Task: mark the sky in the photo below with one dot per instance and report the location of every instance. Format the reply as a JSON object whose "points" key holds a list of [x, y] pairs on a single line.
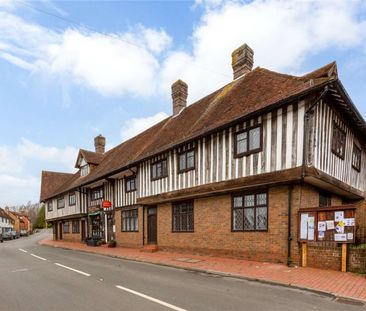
{"points": [[71, 70]]}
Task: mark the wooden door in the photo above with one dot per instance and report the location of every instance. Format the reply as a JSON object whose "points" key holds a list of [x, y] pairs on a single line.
{"points": [[152, 228], [83, 230], [60, 231]]}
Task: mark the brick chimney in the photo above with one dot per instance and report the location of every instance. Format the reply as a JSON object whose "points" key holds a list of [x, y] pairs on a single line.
{"points": [[179, 96], [99, 144], [242, 61]]}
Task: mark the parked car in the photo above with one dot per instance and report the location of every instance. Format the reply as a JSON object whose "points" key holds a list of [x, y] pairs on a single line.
{"points": [[14, 234], [7, 236], [23, 233], [1, 238]]}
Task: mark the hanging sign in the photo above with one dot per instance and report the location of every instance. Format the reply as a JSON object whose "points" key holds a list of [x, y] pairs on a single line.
{"points": [[107, 204]]}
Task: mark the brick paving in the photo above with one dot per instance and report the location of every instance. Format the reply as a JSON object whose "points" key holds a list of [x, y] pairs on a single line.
{"points": [[340, 284]]}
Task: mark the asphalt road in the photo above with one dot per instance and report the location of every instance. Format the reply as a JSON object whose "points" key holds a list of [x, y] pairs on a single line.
{"points": [[34, 277]]}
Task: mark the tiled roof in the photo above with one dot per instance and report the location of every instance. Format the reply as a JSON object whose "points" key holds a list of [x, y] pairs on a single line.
{"points": [[258, 90], [90, 157], [51, 182]]}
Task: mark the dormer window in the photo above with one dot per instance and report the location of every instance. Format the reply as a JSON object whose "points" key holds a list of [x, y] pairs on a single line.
{"points": [[84, 170]]}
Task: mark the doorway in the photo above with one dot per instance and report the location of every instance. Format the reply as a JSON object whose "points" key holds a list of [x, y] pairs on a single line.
{"points": [[152, 232], [60, 230], [83, 230]]}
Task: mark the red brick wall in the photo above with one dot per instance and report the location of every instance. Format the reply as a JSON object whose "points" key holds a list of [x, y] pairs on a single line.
{"points": [[212, 218], [128, 239]]}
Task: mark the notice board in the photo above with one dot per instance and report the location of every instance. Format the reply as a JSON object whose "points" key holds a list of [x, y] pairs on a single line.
{"points": [[329, 224]]}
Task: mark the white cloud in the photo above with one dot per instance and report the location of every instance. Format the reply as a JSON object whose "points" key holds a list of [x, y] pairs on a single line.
{"points": [[282, 34], [137, 125], [111, 64], [143, 62], [21, 167]]}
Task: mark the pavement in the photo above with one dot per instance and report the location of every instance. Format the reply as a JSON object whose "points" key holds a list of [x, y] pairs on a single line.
{"points": [[38, 277], [336, 284]]}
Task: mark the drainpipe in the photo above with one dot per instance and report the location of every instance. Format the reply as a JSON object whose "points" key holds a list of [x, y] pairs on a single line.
{"points": [[289, 236], [143, 225]]}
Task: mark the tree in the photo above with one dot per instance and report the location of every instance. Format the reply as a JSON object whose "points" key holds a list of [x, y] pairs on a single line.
{"points": [[40, 220]]}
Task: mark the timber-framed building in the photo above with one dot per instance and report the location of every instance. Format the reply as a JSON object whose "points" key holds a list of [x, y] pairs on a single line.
{"points": [[227, 174]]}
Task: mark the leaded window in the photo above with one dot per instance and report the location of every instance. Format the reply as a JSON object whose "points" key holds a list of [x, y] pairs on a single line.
{"points": [[186, 161], [356, 158], [72, 199], [130, 184], [183, 217], [130, 220], [75, 226], [84, 170], [49, 206], [159, 169], [248, 141], [325, 199], [61, 202], [66, 227], [97, 194], [250, 212], [338, 141]]}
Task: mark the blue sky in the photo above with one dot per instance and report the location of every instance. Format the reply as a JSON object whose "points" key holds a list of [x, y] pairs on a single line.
{"points": [[62, 83]]}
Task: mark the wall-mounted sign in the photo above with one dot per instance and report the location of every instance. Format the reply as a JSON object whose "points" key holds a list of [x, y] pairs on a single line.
{"points": [[107, 204]]}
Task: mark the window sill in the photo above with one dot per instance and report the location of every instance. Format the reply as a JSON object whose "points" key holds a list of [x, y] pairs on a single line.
{"points": [[175, 231], [248, 153], [158, 178], [186, 170]]}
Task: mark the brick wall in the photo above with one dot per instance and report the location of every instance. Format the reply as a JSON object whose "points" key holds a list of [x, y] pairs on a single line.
{"points": [[212, 232], [128, 239], [324, 255], [357, 260]]}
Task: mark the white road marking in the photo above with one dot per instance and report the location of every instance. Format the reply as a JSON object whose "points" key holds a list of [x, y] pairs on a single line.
{"points": [[72, 269], [22, 250], [20, 270], [163, 303], [38, 257]]}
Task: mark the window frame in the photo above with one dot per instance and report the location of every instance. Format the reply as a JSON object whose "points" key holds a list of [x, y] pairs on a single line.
{"points": [[73, 226], [359, 150], [50, 203], [180, 203], [83, 168], [68, 227], [247, 130], [255, 206], [327, 196], [58, 200], [185, 153], [73, 194], [131, 219], [94, 190], [163, 175], [333, 147], [129, 179]]}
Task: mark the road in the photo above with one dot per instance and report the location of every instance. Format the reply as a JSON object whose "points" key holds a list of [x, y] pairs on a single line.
{"points": [[35, 277]]}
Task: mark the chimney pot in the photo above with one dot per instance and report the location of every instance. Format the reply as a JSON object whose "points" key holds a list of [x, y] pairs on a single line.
{"points": [[99, 144], [242, 61], [179, 96]]}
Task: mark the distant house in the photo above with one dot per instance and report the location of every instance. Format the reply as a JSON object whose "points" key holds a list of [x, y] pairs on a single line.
{"points": [[6, 222], [21, 223], [226, 175]]}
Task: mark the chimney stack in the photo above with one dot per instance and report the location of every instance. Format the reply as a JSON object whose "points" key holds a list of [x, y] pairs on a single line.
{"points": [[179, 96], [99, 144], [242, 61]]}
